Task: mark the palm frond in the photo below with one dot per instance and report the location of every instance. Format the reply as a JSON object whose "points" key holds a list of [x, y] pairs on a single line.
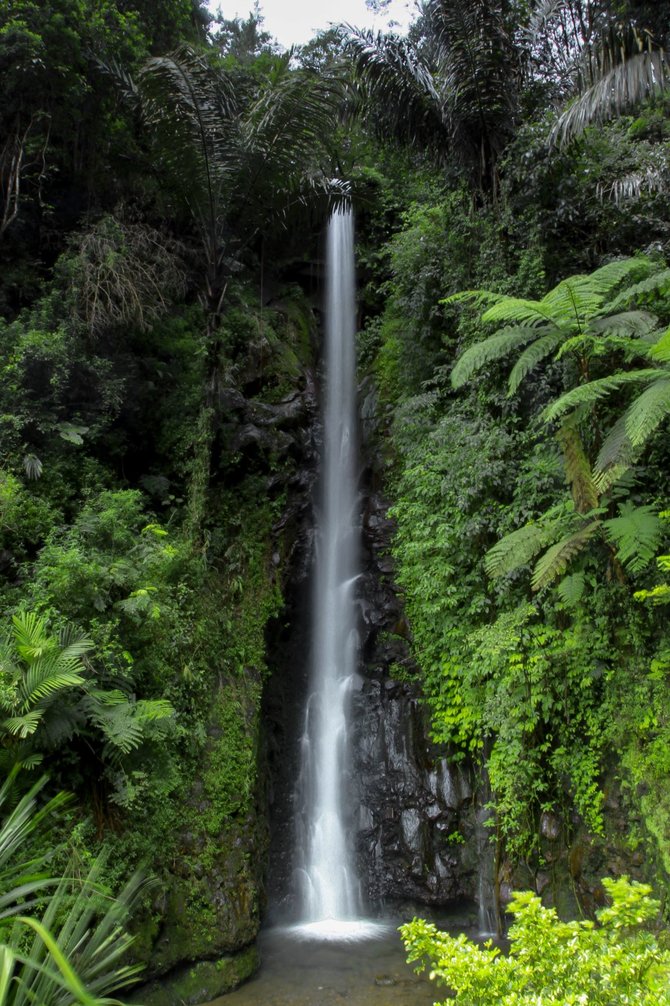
{"points": [[648, 411], [25, 725], [44, 679], [588, 394], [398, 86], [30, 635], [490, 350], [539, 350], [636, 534], [190, 110], [556, 559], [478, 70], [621, 88]]}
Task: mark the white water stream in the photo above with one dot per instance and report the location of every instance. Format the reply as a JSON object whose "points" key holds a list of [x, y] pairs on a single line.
{"points": [[330, 896]]}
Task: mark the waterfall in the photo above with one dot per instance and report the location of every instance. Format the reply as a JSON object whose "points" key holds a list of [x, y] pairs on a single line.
{"points": [[328, 881]]}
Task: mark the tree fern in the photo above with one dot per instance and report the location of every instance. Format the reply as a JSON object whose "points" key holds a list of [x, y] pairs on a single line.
{"points": [[517, 549], [577, 469], [531, 356], [574, 317], [588, 394], [657, 283], [636, 534], [571, 589], [556, 559], [661, 350], [648, 411], [616, 450], [495, 348]]}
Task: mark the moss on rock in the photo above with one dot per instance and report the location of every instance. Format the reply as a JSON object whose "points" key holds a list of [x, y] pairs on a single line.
{"points": [[199, 983]]}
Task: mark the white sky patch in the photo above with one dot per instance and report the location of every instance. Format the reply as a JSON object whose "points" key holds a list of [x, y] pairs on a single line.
{"points": [[294, 22]]}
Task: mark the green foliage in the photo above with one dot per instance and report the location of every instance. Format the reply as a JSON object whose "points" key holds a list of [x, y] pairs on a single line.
{"points": [[615, 962], [577, 307], [73, 953]]}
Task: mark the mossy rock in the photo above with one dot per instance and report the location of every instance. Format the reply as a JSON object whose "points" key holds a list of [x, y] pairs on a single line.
{"points": [[200, 982]]}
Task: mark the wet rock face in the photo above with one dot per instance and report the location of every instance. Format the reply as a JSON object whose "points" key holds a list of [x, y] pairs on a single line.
{"points": [[411, 813], [415, 828]]}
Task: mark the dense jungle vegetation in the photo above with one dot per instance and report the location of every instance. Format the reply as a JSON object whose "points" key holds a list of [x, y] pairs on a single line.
{"points": [[163, 181]]}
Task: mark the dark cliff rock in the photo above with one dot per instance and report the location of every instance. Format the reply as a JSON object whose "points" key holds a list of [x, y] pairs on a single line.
{"points": [[416, 826]]}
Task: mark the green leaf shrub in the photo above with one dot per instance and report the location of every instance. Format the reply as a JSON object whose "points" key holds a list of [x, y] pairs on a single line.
{"points": [[616, 961]]}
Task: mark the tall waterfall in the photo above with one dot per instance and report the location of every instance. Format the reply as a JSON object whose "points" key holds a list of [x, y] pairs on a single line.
{"points": [[328, 876]]}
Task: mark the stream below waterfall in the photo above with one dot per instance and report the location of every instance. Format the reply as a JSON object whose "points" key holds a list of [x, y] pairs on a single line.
{"points": [[372, 972]]}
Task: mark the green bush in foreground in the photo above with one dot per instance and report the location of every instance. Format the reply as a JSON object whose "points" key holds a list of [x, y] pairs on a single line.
{"points": [[616, 961]]}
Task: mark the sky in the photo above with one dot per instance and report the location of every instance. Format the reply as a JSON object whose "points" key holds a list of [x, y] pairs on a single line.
{"points": [[293, 22]]}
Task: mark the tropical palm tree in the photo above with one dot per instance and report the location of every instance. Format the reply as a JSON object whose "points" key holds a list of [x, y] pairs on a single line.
{"points": [[453, 91], [240, 151]]}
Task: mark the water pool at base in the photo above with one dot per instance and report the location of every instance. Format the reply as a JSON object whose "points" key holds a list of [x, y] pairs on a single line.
{"points": [[298, 971]]}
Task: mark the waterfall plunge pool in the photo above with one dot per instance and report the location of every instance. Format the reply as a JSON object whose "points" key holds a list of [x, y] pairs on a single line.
{"points": [[363, 970]]}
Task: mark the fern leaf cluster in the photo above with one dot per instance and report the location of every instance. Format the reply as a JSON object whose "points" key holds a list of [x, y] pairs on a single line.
{"points": [[636, 534], [556, 559], [576, 317], [488, 351]]}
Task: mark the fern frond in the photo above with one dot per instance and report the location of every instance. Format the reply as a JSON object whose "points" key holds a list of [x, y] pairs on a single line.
{"points": [[571, 589], [490, 350], [631, 323], [119, 725], [661, 350], [648, 411], [577, 469], [518, 311], [588, 394], [531, 356], [477, 296], [517, 548], [616, 449], [605, 480], [573, 300], [150, 710], [608, 277], [636, 534], [556, 559], [657, 283]]}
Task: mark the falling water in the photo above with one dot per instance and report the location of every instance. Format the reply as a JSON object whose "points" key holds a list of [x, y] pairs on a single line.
{"points": [[330, 890]]}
